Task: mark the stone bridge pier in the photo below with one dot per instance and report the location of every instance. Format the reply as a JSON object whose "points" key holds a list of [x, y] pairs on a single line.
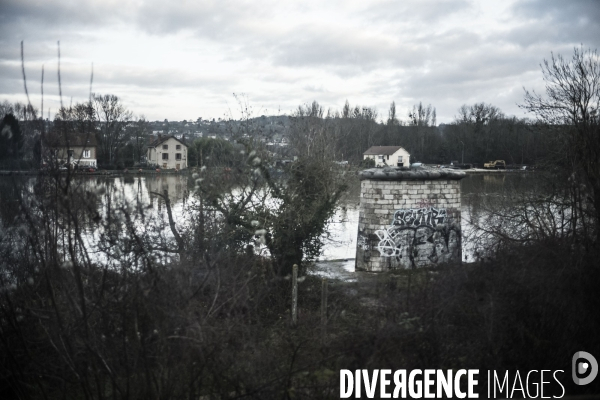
{"points": [[408, 218]]}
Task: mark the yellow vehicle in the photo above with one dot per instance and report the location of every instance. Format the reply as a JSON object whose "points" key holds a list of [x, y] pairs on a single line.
{"points": [[498, 164]]}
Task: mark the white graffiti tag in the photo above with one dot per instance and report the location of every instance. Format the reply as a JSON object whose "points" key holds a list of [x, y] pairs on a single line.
{"points": [[387, 246], [415, 217]]}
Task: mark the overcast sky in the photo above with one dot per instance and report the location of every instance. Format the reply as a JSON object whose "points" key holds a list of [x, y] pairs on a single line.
{"points": [[184, 61]]}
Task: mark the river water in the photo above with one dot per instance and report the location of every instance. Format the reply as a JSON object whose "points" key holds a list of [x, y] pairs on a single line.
{"points": [[340, 241], [478, 192]]}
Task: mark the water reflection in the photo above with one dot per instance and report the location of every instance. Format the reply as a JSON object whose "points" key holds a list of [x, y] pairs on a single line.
{"points": [[478, 192], [177, 186], [485, 199]]}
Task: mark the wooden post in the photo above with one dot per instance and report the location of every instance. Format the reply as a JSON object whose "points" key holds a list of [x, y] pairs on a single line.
{"points": [[294, 295], [323, 309]]}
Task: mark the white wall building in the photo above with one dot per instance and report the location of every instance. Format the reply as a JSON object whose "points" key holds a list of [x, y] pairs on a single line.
{"points": [[168, 152], [73, 149], [393, 156]]}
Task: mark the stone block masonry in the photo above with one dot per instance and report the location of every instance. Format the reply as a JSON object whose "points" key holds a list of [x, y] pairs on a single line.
{"points": [[408, 218]]}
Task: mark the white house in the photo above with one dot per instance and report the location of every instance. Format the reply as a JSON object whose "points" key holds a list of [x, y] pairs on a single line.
{"points": [[394, 156], [168, 152], [74, 149]]}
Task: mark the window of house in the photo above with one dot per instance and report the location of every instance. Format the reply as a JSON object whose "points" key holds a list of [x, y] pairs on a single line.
{"points": [[165, 147], [388, 157], [178, 147], [87, 154], [178, 156], [70, 153], [165, 156], [400, 159], [381, 158]]}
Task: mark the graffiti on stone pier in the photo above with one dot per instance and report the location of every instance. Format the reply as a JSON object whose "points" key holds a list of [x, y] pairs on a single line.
{"points": [[362, 241], [366, 243], [415, 217], [425, 203], [418, 237]]}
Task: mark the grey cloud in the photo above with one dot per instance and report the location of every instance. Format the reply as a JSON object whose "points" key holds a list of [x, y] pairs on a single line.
{"points": [[11, 86], [37, 15], [556, 22], [555, 35], [351, 54], [159, 78], [429, 11], [110, 75], [12, 81], [347, 53], [215, 20], [558, 9], [312, 46], [290, 66], [237, 26], [315, 88]]}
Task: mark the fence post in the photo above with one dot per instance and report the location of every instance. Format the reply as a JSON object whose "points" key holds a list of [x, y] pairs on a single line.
{"points": [[294, 295], [323, 309]]}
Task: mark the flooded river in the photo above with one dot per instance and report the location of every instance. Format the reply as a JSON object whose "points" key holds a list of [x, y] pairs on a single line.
{"points": [[340, 241]]}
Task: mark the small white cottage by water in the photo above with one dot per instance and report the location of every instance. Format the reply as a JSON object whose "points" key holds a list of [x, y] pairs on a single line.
{"points": [[393, 156]]}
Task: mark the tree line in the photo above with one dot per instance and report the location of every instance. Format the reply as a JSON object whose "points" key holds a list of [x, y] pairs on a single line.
{"points": [[120, 135], [479, 133]]}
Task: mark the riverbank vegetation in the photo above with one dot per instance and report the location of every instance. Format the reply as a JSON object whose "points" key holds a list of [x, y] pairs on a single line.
{"points": [[124, 322]]}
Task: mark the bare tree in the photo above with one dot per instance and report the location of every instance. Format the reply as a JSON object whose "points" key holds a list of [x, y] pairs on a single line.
{"points": [[21, 111], [113, 118], [139, 135], [346, 110], [392, 119], [478, 127], [422, 118], [311, 134], [571, 105]]}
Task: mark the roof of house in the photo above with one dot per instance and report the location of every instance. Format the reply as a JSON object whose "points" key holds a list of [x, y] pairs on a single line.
{"points": [[382, 150], [162, 139], [54, 139]]}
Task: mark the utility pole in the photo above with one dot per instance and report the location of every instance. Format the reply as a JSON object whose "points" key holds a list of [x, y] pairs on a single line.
{"points": [[323, 310], [294, 295]]}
